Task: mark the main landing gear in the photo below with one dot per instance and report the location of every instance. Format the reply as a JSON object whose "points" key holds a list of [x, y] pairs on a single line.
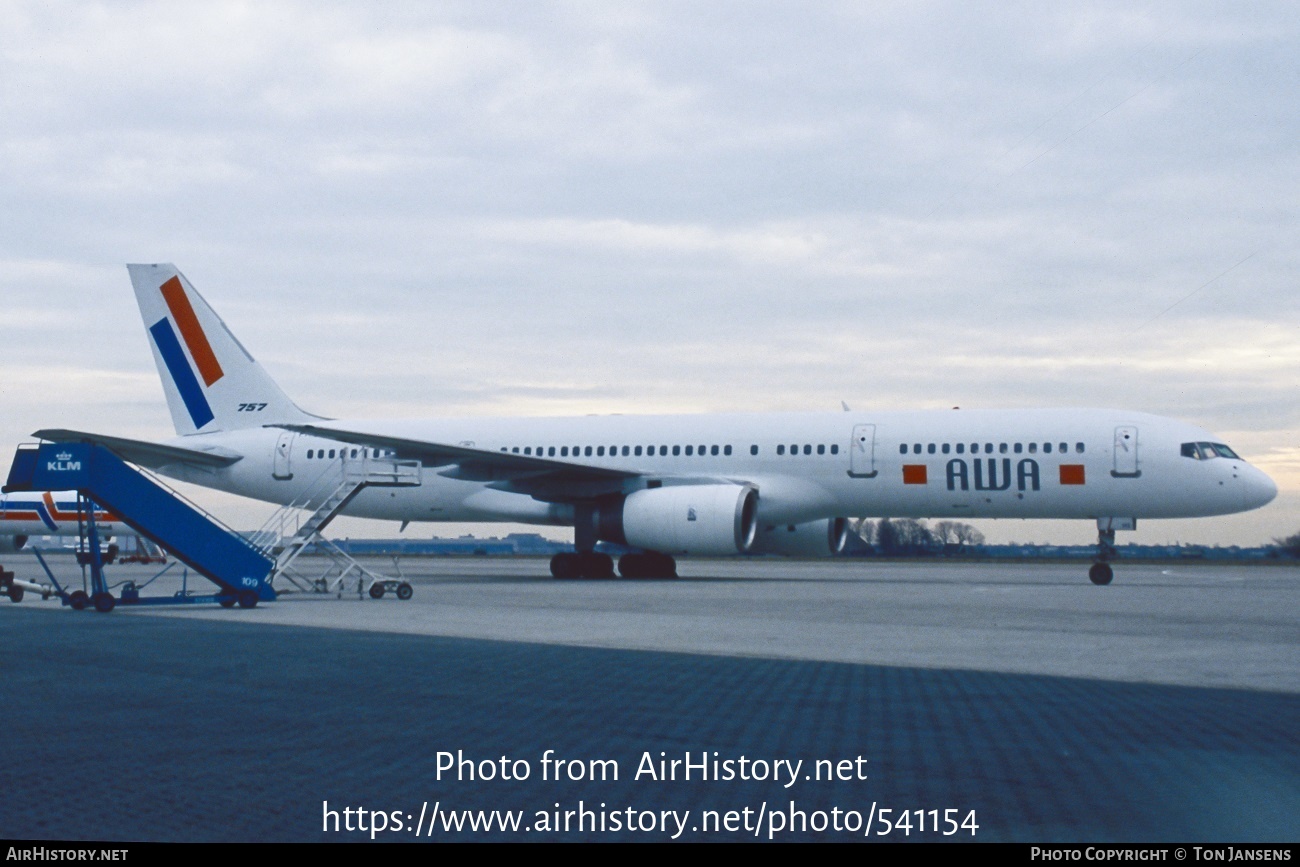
{"points": [[593, 564], [587, 562]]}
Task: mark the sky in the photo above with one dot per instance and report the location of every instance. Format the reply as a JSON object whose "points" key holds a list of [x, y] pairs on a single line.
{"points": [[415, 209]]}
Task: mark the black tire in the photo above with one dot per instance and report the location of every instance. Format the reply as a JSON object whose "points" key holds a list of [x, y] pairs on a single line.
{"points": [[104, 602], [377, 590], [632, 566], [1101, 573], [227, 601], [78, 600], [404, 591], [651, 565], [15, 593], [564, 566], [596, 566], [247, 599]]}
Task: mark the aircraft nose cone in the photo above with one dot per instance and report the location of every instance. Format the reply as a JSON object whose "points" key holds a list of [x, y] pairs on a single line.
{"points": [[1259, 489]]}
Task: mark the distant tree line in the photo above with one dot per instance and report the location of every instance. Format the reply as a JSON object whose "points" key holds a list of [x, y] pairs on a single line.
{"points": [[904, 537], [1289, 545]]}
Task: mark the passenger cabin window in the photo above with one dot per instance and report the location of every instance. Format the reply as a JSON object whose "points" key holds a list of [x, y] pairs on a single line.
{"points": [[780, 450], [835, 449], [753, 450]]}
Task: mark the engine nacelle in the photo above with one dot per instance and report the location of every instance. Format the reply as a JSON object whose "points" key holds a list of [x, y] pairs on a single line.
{"points": [[9, 544], [713, 520], [824, 538]]}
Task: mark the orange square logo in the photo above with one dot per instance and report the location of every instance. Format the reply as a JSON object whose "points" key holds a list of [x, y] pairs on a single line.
{"points": [[1072, 474], [914, 474]]}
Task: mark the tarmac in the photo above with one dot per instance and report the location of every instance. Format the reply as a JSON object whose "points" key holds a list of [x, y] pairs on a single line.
{"points": [[1018, 698]]}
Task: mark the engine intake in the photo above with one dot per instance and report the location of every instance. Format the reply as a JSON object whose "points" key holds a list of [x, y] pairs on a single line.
{"points": [[824, 538], [12, 543]]}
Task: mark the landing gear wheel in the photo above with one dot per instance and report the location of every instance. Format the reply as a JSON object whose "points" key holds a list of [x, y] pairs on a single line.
{"points": [[565, 566], [104, 602], [78, 600], [247, 599], [227, 601], [596, 565], [650, 564], [404, 591], [1101, 573], [15, 593], [377, 590]]}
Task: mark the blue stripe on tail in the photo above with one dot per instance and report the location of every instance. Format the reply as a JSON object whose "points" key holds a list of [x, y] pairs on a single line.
{"points": [[182, 374]]}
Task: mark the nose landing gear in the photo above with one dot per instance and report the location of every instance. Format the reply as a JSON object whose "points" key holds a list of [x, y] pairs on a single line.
{"points": [[1101, 572]]}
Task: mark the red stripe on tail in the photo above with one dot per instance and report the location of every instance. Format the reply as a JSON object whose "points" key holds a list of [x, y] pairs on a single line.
{"points": [[191, 332]]}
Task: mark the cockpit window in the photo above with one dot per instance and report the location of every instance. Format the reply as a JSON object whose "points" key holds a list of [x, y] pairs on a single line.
{"points": [[1206, 451], [1223, 451]]}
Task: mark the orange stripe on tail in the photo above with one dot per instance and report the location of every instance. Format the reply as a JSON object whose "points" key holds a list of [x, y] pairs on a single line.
{"points": [[191, 332]]}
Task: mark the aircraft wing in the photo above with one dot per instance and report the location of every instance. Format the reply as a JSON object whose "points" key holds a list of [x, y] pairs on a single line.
{"points": [[143, 452], [544, 478]]}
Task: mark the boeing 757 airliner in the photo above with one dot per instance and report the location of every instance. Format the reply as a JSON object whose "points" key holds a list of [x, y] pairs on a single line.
{"points": [[670, 485]]}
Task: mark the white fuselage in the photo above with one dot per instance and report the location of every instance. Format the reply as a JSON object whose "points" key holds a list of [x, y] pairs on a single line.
{"points": [[1056, 463]]}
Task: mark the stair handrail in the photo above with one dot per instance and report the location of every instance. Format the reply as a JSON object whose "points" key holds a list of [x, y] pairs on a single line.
{"points": [[157, 480]]}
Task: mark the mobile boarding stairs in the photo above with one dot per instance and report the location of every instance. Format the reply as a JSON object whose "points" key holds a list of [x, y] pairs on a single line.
{"points": [[242, 569]]}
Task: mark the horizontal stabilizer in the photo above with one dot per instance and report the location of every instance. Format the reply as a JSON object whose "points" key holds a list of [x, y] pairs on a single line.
{"points": [[144, 453]]}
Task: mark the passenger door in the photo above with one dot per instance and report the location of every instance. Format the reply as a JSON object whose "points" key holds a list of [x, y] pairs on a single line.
{"points": [[862, 452]]}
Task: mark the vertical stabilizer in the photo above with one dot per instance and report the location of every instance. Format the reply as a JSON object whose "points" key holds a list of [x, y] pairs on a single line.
{"points": [[212, 383]]}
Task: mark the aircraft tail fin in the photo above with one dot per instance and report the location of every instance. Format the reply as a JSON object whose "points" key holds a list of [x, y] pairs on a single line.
{"points": [[211, 381]]}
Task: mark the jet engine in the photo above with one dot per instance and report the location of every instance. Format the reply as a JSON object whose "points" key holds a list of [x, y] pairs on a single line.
{"points": [[12, 543], [824, 538], [684, 519]]}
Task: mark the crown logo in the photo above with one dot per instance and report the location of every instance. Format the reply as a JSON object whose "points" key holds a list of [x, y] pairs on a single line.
{"points": [[63, 456]]}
